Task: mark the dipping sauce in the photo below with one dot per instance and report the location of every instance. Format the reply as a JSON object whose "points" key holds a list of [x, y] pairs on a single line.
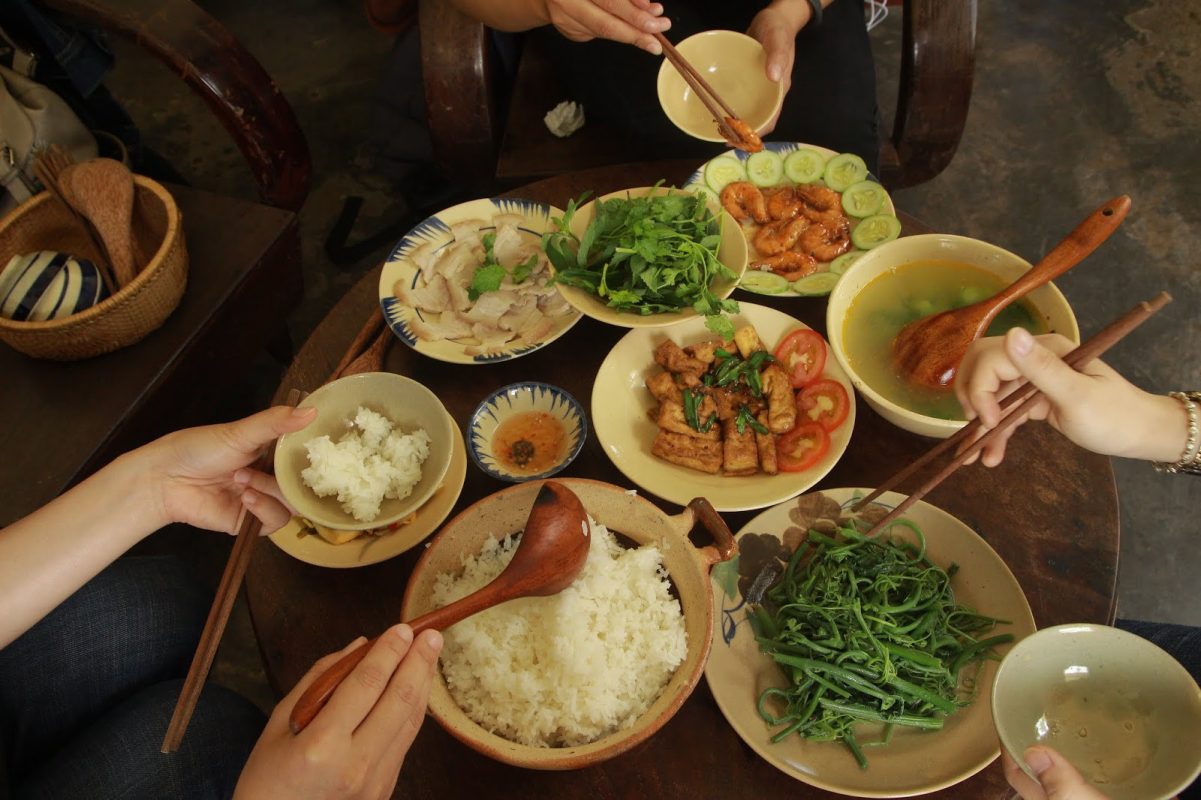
{"points": [[530, 442], [911, 292]]}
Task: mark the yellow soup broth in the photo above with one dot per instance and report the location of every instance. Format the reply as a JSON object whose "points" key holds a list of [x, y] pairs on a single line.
{"points": [[908, 293]]}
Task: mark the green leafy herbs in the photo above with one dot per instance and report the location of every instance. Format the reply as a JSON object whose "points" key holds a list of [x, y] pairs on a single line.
{"points": [[645, 255], [692, 404], [745, 418], [865, 630], [489, 275]]}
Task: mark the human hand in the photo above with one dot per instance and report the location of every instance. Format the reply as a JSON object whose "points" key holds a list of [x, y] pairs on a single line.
{"points": [[1096, 407], [1057, 779], [356, 744], [202, 475], [776, 28], [627, 21]]}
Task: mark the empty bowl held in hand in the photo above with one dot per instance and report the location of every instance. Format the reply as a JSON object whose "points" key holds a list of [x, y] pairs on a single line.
{"points": [[1121, 710], [407, 405], [733, 64], [525, 431]]}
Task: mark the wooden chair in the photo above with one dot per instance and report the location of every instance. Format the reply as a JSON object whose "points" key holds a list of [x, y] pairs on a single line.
{"points": [[219, 69], [476, 145]]}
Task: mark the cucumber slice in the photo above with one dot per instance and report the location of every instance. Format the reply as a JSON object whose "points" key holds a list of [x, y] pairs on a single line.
{"points": [[840, 264], [763, 282], [765, 168], [815, 285], [724, 170], [804, 165], [875, 231], [863, 199], [844, 170], [704, 192]]}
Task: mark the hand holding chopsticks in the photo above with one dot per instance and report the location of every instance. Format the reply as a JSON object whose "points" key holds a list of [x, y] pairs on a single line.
{"points": [[1015, 407], [729, 125]]}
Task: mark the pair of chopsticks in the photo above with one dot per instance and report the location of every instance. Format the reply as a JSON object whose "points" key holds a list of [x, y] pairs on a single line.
{"points": [[249, 528], [703, 90], [1016, 404]]}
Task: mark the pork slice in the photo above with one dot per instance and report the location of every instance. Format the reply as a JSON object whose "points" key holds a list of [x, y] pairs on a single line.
{"points": [[521, 314], [491, 306], [426, 255], [507, 221], [552, 304], [459, 299], [537, 331], [513, 247], [458, 264], [468, 231], [491, 338], [433, 297], [449, 325]]}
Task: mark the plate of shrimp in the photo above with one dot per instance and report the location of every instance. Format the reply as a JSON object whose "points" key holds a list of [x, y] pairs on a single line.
{"points": [[806, 212]]}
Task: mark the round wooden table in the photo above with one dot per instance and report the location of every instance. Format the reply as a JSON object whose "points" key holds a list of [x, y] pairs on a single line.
{"points": [[1050, 510]]}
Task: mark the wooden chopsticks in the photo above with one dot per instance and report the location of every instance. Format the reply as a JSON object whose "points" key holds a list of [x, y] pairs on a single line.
{"points": [[1015, 405], [223, 603], [703, 90]]}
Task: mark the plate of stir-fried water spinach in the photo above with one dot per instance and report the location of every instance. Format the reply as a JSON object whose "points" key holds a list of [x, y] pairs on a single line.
{"points": [[863, 665], [648, 257]]}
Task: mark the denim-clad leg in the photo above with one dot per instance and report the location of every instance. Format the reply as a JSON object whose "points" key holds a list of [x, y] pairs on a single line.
{"points": [[86, 694], [1182, 642]]}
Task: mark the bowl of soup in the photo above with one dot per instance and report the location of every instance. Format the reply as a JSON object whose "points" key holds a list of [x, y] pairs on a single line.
{"points": [[915, 277]]}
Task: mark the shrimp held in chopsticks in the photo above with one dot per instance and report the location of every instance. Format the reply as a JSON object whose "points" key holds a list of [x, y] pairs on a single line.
{"points": [[746, 138]]}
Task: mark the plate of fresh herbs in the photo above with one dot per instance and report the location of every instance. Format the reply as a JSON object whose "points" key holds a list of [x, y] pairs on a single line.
{"points": [[648, 257], [863, 666]]}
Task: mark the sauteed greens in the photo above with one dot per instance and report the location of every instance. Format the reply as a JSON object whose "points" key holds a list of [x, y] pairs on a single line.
{"points": [[645, 255], [866, 631]]}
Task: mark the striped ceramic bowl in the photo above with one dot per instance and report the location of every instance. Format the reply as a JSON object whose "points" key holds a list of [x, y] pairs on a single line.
{"points": [[47, 285], [526, 431]]}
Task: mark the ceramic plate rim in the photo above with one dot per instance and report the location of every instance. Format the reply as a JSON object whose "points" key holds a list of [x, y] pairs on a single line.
{"points": [[450, 490], [843, 495], [687, 483], [398, 267]]}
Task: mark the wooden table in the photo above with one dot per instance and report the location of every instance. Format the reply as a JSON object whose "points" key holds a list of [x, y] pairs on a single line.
{"points": [[1050, 510], [63, 420]]}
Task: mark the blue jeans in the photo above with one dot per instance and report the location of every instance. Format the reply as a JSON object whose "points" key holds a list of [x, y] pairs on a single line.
{"points": [[87, 693]]}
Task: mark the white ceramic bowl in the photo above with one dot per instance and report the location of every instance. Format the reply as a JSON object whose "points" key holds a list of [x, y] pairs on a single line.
{"points": [[1048, 301], [519, 398], [404, 401], [732, 63], [1124, 712]]}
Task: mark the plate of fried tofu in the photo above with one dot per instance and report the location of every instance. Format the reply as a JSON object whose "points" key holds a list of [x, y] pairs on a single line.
{"points": [[703, 417]]}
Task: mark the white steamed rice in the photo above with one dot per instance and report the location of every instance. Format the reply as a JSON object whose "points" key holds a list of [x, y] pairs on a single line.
{"points": [[568, 669], [373, 460]]}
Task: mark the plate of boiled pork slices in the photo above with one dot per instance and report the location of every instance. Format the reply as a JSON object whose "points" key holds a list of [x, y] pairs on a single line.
{"points": [[471, 284]]}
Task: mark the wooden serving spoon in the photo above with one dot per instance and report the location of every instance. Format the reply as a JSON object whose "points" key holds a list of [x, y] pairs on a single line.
{"points": [[929, 350], [102, 190], [551, 554]]}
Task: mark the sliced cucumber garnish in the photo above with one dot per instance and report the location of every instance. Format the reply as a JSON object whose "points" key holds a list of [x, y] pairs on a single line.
{"points": [[804, 165], [864, 198], [844, 170], [815, 285], [763, 282], [765, 168], [704, 192], [875, 231], [840, 264], [724, 170]]}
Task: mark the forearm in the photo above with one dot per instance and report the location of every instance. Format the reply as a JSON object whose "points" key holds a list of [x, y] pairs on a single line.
{"points": [[49, 554], [797, 12], [506, 15], [1162, 426]]}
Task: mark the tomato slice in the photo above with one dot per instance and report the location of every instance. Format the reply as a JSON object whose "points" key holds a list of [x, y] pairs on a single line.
{"points": [[802, 354], [824, 402], [802, 447]]}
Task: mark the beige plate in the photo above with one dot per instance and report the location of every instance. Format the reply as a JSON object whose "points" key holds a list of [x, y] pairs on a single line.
{"points": [[626, 432], [435, 233], [915, 762], [368, 549], [731, 252]]}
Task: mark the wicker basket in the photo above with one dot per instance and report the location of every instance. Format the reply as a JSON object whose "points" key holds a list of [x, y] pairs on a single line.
{"points": [[143, 305]]}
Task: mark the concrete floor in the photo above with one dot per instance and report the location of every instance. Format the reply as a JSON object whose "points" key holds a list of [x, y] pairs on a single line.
{"points": [[1073, 103]]}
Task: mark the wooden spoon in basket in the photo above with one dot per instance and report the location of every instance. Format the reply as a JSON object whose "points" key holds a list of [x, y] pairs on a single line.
{"points": [[928, 350], [102, 190], [550, 555]]}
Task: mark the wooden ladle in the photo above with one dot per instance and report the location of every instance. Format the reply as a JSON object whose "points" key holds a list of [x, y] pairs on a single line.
{"points": [[550, 555], [929, 350]]}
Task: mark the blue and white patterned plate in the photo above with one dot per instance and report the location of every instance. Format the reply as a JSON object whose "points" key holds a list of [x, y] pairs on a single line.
{"points": [[518, 398], [424, 243]]}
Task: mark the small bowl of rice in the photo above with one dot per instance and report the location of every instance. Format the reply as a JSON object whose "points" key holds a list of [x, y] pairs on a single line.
{"points": [[570, 680], [379, 448]]}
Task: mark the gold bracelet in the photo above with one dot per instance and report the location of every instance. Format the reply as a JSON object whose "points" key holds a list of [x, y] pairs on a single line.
{"points": [[1190, 459]]}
